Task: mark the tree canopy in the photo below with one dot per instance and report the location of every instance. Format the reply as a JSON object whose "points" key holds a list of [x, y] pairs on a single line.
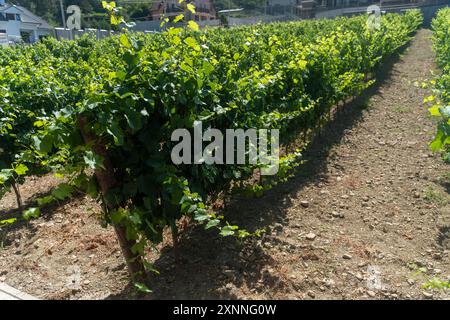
{"points": [[93, 14]]}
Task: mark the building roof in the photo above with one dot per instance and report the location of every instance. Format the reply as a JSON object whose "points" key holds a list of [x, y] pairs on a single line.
{"points": [[27, 16]]}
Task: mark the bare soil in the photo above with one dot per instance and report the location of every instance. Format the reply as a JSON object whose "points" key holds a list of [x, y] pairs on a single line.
{"points": [[366, 217]]}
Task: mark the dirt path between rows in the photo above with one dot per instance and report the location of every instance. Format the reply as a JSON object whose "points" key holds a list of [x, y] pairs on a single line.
{"points": [[368, 216]]}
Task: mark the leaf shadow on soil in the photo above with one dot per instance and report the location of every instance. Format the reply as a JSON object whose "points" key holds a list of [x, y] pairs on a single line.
{"points": [[47, 211], [209, 267], [443, 238]]}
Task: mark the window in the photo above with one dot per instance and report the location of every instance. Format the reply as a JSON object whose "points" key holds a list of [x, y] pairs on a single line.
{"points": [[10, 16], [2, 16], [18, 17], [2, 31]]}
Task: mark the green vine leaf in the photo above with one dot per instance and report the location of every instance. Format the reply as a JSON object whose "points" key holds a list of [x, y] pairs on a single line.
{"points": [[31, 213]]}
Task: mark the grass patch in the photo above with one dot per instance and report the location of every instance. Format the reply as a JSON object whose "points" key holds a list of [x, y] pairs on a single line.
{"points": [[401, 109], [446, 177], [432, 195], [436, 283]]}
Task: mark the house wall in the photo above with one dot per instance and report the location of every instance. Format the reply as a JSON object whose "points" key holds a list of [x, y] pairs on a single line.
{"points": [[14, 28]]}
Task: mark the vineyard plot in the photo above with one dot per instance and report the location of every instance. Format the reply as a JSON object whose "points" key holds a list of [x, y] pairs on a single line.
{"points": [[277, 265]]}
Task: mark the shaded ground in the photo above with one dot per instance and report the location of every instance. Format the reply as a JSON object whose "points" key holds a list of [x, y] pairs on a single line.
{"points": [[368, 216]]}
